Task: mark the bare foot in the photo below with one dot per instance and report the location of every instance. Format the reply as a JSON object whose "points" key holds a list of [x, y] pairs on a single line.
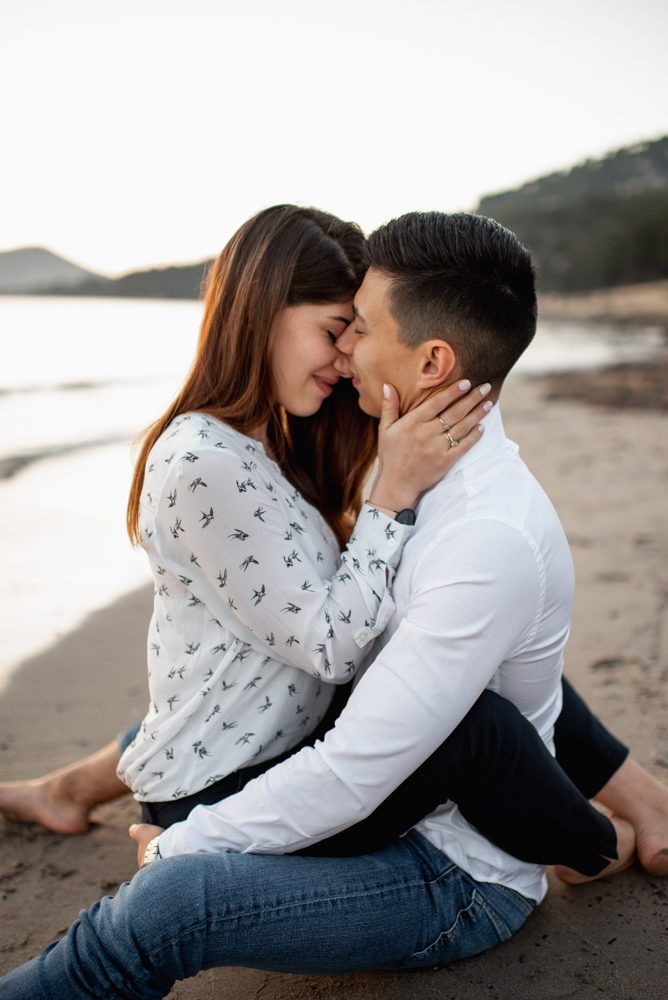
{"points": [[626, 849], [635, 794], [652, 841], [35, 802], [62, 800]]}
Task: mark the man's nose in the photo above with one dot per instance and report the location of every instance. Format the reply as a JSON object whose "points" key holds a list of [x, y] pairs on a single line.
{"points": [[342, 364]]}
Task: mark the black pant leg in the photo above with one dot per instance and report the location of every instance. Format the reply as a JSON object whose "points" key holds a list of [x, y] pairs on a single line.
{"points": [[588, 753], [506, 783]]}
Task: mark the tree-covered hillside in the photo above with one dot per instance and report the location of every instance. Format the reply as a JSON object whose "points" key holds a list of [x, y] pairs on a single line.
{"points": [[176, 282], [602, 223]]}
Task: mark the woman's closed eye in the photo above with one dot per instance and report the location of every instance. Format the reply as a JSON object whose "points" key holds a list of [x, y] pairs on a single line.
{"points": [[333, 336]]}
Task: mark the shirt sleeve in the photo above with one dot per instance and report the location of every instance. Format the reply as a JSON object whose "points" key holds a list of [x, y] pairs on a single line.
{"points": [[248, 563], [475, 602]]}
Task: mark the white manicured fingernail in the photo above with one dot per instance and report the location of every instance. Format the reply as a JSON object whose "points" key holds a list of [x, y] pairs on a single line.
{"points": [[484, 389], [487, 406], [464, 385], [386, 391], [481, 428]]}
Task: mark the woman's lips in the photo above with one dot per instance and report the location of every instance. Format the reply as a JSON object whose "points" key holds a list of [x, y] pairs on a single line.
{"points": [[325, 387], [356, 381]]}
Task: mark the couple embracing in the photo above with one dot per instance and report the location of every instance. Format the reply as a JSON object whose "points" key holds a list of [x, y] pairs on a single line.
{"points": [[360, 752]]}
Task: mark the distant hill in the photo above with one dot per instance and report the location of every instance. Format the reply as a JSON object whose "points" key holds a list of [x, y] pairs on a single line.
{"points": [[31, 269], [176, 282], [37, 271], [602, 223]]}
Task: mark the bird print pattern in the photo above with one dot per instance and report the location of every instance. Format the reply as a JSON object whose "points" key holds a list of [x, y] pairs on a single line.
{"points": [[256, 613]]}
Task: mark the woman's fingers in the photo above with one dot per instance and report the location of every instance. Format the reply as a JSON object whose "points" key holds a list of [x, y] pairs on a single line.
{"points": [[467, 404], [462, 427], [452, 403], [412, 454], [441, 400], [465, 443], [389, 413]]}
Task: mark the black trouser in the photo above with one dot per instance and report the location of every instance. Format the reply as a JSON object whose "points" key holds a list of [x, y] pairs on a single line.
{"points": [[497, 769]]}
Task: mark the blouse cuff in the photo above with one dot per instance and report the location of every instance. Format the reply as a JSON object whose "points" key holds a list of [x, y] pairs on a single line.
{"points": [[380, 541]]}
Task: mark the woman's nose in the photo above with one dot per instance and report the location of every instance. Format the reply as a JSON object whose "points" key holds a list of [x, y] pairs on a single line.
{"points": [[346, 342]]}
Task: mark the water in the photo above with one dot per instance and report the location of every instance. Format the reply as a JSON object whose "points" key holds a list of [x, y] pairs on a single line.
{"points": [[79, 378]]}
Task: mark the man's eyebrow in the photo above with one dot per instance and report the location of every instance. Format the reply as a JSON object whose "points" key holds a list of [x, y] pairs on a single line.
{"points": [[358, 314]]}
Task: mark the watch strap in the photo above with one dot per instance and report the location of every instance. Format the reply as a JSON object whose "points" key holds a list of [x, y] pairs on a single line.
{"points": [[152, 852]]}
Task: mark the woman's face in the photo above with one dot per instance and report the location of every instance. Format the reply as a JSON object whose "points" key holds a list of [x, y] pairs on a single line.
{"points": [[306, 362]]}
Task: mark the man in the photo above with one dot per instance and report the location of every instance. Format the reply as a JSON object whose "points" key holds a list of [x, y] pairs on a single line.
{"points": [[483, 599]]}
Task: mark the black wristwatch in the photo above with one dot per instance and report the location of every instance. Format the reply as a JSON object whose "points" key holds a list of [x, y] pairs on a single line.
{"points": [[405, 516]]}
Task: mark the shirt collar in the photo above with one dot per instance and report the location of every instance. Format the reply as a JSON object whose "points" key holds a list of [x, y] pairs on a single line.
{"points": [[493, 438]]}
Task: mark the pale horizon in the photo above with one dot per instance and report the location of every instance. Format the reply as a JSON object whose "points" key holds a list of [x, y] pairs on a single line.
{"points": [[139, 136]]}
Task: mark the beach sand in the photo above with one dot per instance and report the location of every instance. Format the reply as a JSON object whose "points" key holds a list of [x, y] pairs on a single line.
{"points": [[606, 471]]}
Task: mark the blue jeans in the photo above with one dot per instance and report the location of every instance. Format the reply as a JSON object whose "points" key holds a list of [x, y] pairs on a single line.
{"points": [[404, 907]]}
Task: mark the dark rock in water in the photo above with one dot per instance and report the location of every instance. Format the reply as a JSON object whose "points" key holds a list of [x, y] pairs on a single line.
{"points": [[639, 386]]}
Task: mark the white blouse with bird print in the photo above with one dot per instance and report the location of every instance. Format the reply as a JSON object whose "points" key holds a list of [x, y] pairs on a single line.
{"points": [[257, 613]]}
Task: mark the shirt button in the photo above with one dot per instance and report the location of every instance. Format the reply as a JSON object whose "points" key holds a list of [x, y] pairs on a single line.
{"points": [[391, 542]]}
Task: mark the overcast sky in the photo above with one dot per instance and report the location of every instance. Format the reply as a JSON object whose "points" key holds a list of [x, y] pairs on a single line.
{"points": [[137, 132]]}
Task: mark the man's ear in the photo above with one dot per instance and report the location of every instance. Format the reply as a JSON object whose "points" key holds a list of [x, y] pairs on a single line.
{"points": [[437, 363]]}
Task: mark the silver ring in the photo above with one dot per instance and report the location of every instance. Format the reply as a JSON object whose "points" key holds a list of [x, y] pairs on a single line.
{"points": [[453, 443], [446, 427]]}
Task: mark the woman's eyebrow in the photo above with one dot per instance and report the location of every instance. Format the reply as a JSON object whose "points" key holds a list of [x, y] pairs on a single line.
{"points": [[340, 319]]}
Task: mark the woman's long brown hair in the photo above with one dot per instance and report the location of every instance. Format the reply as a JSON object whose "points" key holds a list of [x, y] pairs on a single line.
{"points": [[283, 256]]}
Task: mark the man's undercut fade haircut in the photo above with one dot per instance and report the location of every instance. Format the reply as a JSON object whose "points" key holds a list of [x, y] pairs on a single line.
{"points": [[463, 279]]}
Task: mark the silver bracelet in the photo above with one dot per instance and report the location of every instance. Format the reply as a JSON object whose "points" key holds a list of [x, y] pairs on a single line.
{"points": [[152, 852]]}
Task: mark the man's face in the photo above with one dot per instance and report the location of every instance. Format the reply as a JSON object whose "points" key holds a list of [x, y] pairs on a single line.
{"points": [[375, 351]]}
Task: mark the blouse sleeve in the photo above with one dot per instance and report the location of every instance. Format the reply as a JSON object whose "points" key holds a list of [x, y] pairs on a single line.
{"points": [[247, 559]]}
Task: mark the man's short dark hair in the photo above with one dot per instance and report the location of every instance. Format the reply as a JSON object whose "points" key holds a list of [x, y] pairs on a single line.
{"points": [[462, 278]]}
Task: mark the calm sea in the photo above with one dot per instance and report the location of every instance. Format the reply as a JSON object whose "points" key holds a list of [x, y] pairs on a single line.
{"points": [[79, 378]]}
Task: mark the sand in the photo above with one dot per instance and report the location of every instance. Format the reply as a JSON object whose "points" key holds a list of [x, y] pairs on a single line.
{"points": [[606, 470]]}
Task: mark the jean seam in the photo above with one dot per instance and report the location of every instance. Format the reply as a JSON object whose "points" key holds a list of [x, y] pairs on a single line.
{"points": [[499, 924], [441, 875], [476, 900]]}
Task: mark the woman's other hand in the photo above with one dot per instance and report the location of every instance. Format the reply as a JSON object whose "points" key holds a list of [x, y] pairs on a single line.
{"points": [[416, 450], [143, 833]]}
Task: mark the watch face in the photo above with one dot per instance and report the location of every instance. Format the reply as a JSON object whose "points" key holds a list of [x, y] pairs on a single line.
{"points": [[406, 516]]}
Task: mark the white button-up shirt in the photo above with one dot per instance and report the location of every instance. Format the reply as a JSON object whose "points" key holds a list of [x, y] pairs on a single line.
{"points": [[484, 595], [257, 613]]}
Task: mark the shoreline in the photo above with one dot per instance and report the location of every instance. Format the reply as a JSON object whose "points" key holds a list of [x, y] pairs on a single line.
{"points": [[604, 469]]}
